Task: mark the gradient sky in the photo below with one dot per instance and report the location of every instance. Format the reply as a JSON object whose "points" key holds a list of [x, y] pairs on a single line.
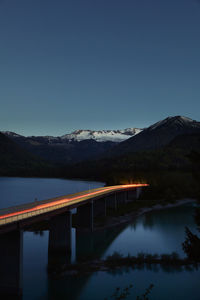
{"points": [[97, 64]]}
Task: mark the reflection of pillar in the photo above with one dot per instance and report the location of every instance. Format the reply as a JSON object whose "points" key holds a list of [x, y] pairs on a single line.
{"points": [[60, 233], [85, 215], [99, 207], [11, 261]]}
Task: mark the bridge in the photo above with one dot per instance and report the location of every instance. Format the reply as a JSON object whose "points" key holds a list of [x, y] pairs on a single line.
{"points": [[58, 213]]}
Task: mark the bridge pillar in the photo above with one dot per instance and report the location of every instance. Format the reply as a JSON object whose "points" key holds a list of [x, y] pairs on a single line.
{"points": [[132, 194], [60, 234], [99, 207], [138, 192], [121, 197], [11, 263], [111, 201], [85, 216]]}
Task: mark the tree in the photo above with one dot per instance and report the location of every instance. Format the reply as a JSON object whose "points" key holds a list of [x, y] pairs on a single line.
{"points": [[191, 246]]}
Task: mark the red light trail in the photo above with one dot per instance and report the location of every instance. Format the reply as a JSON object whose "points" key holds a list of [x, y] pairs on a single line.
{"points": [[66, 200]]}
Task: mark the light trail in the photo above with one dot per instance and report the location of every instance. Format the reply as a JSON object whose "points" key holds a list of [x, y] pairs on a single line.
{"points": [[72, 199]]}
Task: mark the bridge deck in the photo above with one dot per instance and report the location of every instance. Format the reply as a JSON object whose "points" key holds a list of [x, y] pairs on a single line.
{"points": [[29, 210]]}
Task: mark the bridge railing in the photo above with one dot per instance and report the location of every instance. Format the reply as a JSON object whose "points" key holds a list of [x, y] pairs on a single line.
{"points": [[26, 215], [36, 212], [30, 211]]}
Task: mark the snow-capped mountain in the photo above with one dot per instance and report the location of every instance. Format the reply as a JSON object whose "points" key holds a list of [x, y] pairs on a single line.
{"points": [[76, 146], [102, 135], [116, 136], [158, 135], [83, 145]]}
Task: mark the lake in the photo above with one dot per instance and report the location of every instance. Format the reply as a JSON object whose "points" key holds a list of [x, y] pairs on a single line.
{"points": [[156, 232]]}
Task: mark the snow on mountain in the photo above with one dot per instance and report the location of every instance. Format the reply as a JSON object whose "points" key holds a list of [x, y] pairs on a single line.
{"points": [[102, 135], [81, 135]]}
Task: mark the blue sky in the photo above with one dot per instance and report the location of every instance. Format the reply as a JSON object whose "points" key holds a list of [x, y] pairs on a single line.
{"points": [[97, 64]]}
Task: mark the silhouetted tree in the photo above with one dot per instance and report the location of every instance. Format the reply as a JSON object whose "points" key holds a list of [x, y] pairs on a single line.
{"points": [[191, 246]]}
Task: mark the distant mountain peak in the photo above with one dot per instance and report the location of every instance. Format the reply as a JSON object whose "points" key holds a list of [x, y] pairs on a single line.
{"points": [[181, 121], [11, 134]]}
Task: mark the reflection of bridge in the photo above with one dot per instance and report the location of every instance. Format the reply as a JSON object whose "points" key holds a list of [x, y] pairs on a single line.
{"points": [[14, 220], [89, 246]]}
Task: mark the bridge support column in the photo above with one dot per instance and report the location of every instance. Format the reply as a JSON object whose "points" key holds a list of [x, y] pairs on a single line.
{"points": [[99, 207], [112, 201], [60, 234], [11, 263], [121, 197], [85, 216], [138, 192], [132, 194]]}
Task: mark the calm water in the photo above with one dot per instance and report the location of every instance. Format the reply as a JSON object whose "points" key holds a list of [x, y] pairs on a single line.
{"points": [[157, 232], [14, 191]]}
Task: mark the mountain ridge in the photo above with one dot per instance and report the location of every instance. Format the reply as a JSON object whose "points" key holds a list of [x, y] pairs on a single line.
{"points": [[82, 145], [16, 161], [157, 135], [117, 135]]}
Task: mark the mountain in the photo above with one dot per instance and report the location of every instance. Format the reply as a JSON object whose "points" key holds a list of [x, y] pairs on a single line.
{"points": [[82, 145], [74, 147], [16, 161], [102, 135], [115, 136], [157, 135], [170, 170]]}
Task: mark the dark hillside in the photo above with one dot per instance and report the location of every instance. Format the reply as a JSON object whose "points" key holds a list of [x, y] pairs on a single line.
{"points": [[158, 135], [15, 161]]}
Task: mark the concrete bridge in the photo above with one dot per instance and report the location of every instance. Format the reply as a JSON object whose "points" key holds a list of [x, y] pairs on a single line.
{"points": [[58, 212]]}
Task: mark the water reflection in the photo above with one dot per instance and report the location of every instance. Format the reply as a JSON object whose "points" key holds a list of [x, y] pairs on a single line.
{"points": [[94, 245], [156, 232], [126, 238]]}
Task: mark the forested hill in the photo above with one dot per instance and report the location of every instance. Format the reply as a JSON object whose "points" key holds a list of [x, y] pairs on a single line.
{"points": [[174, 156], [15, 161]]}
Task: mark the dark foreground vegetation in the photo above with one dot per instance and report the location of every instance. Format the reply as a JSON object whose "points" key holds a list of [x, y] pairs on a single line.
{"points": [[191, 246], [123, 293]]}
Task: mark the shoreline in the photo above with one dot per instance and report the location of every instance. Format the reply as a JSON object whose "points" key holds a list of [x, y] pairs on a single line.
{"points": [[117, 261], [119, 220]]}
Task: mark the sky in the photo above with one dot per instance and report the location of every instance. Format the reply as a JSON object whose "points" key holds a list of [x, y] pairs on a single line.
{"points": [[97, 64]]}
